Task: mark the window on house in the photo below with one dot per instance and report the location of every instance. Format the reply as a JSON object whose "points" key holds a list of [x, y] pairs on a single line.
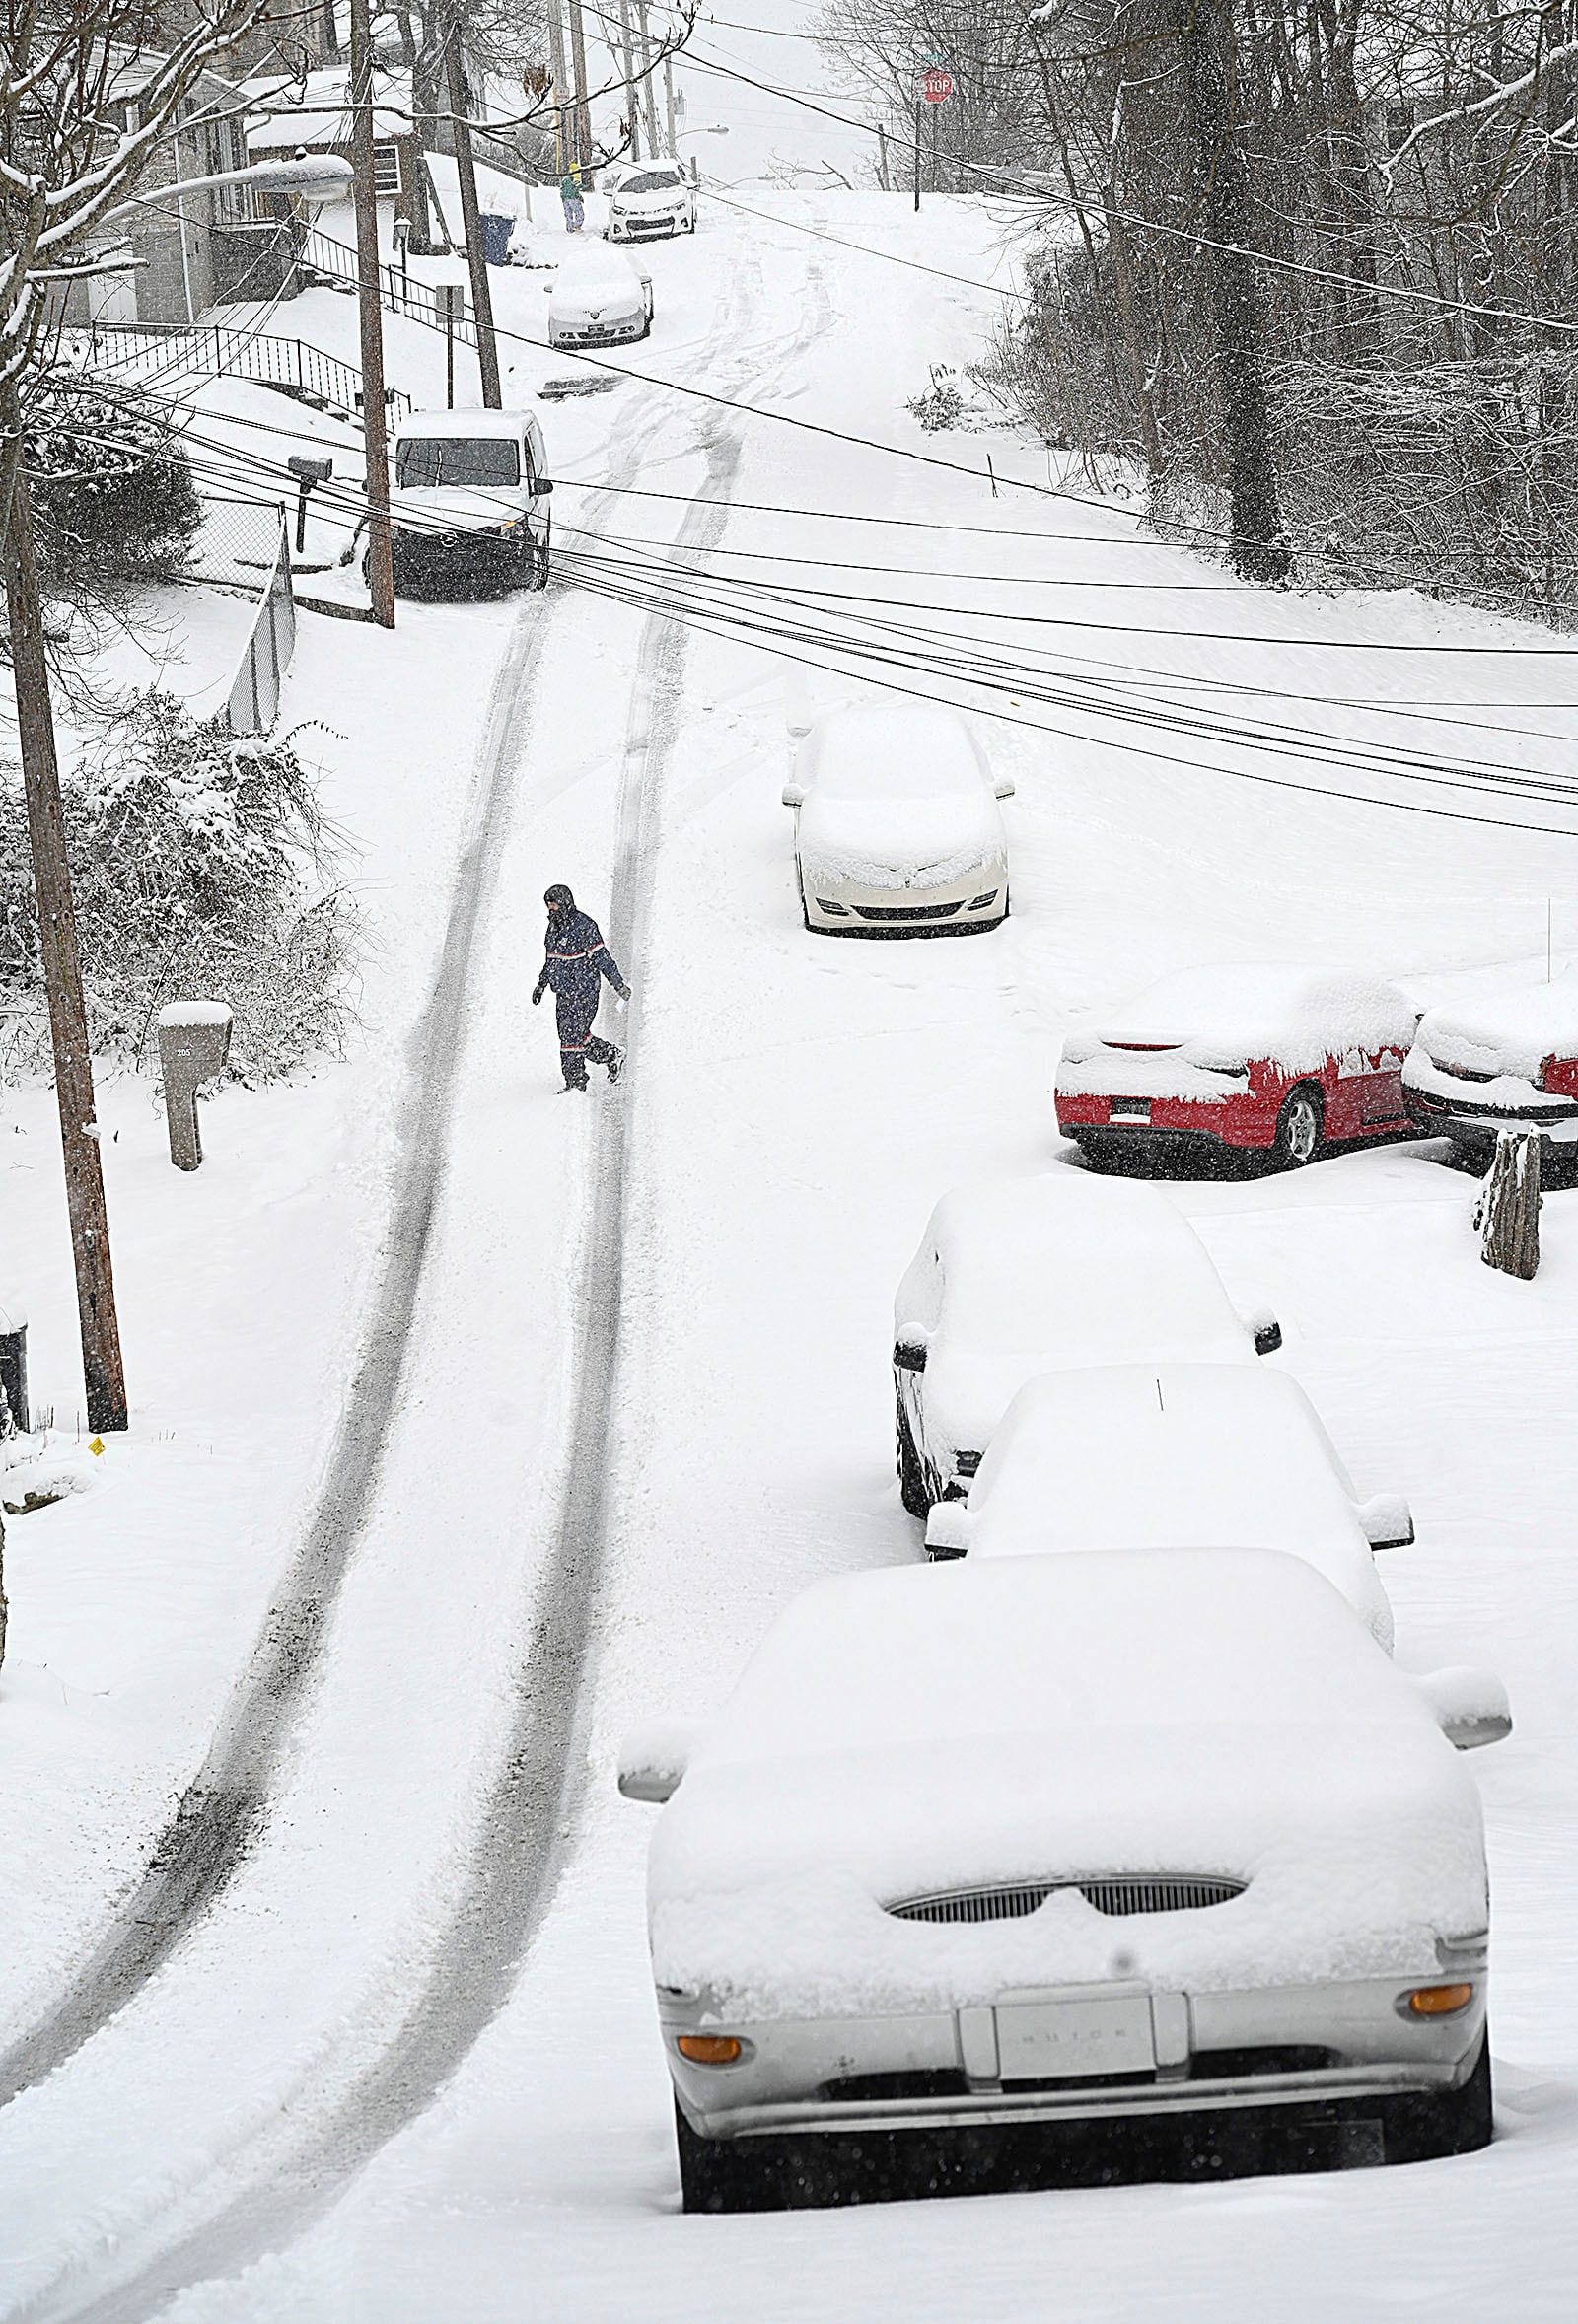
{"points": [[385, 165]]}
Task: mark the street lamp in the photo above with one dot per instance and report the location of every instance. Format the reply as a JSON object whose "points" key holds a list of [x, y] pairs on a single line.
{"points": [[319, 176]]}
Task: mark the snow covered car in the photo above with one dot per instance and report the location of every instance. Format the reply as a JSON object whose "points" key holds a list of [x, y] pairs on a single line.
{"points": [[896, 828], [1174, 1457], [469, 513], [1509, 1061], [658, 199], [1031, 1871], [598, 299], [1020, 1276], [1267, 1059]]}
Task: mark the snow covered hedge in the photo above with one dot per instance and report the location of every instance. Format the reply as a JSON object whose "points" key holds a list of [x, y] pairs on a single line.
{"points": [[112, 495], [199, 868]]}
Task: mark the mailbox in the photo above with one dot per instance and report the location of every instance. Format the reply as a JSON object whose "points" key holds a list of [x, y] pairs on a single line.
{"points": [[193, 1044]]}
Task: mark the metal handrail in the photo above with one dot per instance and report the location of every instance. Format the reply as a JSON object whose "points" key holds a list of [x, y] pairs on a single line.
{"points": [[226, 351], [400, 292]]}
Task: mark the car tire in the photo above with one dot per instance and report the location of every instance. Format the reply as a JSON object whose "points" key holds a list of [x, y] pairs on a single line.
{"points": [[911, 1477], [1299, 1128], [1424, 2125]]}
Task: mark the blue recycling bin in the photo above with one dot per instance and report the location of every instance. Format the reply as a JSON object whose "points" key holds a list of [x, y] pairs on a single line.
{"points": [[496, 233]]}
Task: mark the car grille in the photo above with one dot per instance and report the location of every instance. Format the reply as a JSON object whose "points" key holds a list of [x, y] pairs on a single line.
{"points": [[909, 911], [1124, 1892]]}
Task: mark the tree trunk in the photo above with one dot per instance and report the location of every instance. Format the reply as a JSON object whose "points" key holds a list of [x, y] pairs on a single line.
{"points": [[1507, 1211], [1257, 549]]}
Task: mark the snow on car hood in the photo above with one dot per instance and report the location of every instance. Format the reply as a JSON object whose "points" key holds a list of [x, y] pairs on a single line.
{"points": [[1505, 1033], [900, 841], [1226, 1017], [610, 291], [906, 1733]]}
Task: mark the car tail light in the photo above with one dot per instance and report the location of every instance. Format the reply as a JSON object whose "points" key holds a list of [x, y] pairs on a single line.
{"points": [[712, 2049], [1558, 1075], [1439, 2001]]}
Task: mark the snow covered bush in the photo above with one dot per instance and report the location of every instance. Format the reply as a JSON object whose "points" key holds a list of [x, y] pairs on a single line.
{"points": [[198, 866], [112, 495], [942, 405]]}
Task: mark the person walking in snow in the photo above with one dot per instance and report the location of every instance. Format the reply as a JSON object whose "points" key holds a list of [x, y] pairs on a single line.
{"points": [[575, 961], [574, 203]]}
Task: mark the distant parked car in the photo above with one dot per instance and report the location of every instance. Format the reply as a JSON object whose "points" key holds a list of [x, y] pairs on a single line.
{"points": [[1174, 1457], [1027, 1871], [469, 509], [658, 199], [598, 299], [1274, 1060], [1020, 1276], [897, 828], [1509, 1061]]}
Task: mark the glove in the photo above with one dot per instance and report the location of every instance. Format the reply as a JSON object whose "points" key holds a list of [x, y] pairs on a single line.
{"points": [[624, 992], [537, 995]]}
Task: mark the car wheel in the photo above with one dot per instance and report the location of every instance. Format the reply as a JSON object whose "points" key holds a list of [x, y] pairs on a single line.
{"points": [[911, 1477], [1423, 2125], [1299, 1128]]}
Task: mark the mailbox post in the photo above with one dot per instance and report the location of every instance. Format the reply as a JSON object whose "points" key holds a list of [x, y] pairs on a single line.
{"points": [[193, 1044], [307, 472], [451, 297]]}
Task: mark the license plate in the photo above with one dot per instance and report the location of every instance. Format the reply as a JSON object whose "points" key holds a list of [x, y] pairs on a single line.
{"points": [[1129, 1109], [1055, 2040]]}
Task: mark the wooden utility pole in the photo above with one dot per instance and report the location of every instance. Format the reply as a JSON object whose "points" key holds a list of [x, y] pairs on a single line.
{"points": [[633, 103], [103, 1375], [560, 84], [583, 105], [667, 104], [648, 93], [375, 411], [487, 346]]}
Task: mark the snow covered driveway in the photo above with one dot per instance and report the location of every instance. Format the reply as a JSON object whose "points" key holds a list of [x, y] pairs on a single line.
{"points": [[707, 1259]]}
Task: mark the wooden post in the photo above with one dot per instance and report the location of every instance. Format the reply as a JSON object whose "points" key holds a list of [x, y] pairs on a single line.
{"points": [[487, 346], [103, 1375], [375, 411], [1508, 1210], [582, 118]]}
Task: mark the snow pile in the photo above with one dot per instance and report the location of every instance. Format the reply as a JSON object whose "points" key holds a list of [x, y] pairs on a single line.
{"points": [[1504, 1034], [1224, 1019], [1019, 1276], [912, 1732], [897, 794], [1176, 1456]]}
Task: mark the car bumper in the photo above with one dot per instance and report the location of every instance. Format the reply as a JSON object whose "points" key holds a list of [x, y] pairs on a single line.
{"points": [[1332, 2044], [598, 334], [840, 907], [476, 559], [632, 229], [1469, 1121], [1241, 1119]]}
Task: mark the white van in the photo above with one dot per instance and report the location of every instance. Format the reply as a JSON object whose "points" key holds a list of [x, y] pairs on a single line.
{"points": [[470, 508]]}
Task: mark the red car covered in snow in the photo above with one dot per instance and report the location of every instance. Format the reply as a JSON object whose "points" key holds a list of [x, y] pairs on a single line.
{"points": [[1270, 1060]]}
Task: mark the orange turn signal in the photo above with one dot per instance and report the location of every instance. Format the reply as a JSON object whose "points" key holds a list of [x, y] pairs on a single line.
{"points": [[1440, 2001], [709, 2049]]}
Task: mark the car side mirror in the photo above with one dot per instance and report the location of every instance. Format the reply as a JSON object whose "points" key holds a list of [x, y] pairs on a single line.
{"points": [[794, 795], [1003, 788], [1264, 1329], [910, 1356], [1387, 1522], [542, 484], [1470, 1706], [653, 1759], [949, 1526]]}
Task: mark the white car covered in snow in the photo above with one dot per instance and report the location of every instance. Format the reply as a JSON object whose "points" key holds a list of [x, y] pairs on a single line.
{"points": [[469, 509], [1020, 1276], [1174, 1457], [598, 299], [897, 825], [1025, 1870], [1506, 1062], [655, 199]]}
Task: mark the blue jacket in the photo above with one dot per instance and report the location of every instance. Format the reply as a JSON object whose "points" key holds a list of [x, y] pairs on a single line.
{"points": [[575, 960]]}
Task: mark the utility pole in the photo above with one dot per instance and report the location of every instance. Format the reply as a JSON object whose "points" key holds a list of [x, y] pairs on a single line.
{"points": [[631, 103], [648, 93], [917, 151], [583, 108], [560, 83], [487, 346], [375, 411], [667, 104], [103, 1375]]}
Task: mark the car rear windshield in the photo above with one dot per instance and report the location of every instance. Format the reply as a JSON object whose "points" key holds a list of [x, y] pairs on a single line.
{"points": [[651, 182], [457, 459]]}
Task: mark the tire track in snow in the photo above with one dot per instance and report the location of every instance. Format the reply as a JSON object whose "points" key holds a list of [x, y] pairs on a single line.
{"points": [[521, 1833]]}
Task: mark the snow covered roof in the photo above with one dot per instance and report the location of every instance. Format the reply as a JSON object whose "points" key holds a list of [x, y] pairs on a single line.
{"points": [[1295, 1016], [1173, 1456], [903, 1732], [1507, 1032], [468, 423]]}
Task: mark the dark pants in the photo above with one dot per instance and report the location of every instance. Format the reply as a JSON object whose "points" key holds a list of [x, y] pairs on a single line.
{"points": [[578, 1042]]}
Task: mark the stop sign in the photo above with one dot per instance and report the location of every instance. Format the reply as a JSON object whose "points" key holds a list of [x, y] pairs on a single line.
{"points": [[936, 85]]}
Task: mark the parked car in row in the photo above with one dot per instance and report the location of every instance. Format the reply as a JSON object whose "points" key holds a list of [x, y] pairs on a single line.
{"points": [[652, 200], [1174, 1457], [1506, 1060], [897, 825], [1020, 1276], [470, 512], [598, 299], [1272, 1060], [1046, 1870]]}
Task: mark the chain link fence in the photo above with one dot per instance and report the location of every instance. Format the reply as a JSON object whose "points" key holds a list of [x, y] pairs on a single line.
{"points": [[253, 703]]}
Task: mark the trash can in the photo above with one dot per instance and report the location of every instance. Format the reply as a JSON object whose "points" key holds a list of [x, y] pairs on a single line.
{"points": [[12, 1367], [496, 233]]}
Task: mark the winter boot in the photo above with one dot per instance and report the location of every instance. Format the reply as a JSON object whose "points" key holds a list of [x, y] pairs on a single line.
{"points": [[616, 1065]]}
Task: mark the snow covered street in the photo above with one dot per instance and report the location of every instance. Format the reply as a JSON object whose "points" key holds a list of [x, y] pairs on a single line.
{"points": [[473, 1423]]}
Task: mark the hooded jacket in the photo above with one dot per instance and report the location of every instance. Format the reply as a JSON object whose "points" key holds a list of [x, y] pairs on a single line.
{"points": [[576, 959]]}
